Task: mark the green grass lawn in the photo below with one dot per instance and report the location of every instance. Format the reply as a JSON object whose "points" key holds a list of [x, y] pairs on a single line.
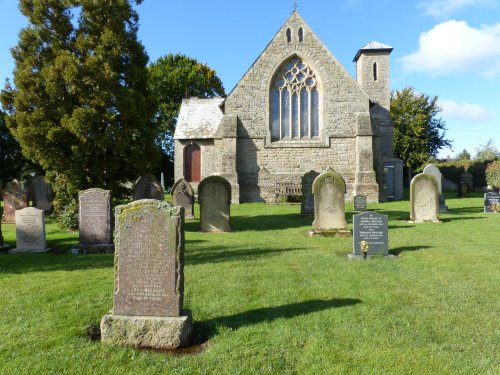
{"points": [[268, 299]]}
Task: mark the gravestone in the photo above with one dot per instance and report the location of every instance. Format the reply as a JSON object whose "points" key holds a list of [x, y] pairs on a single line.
{"points": [[370, 235], [424, 198], [463, 189], [149, 278], [14, 198], [183, 195], [214, 196], [30, 231], [307, 206], [468, 179], [491, 202], [95, 222], [329, 205], [148, 187], [41, 194], [434, 171], [2, 244], [360, 203]]}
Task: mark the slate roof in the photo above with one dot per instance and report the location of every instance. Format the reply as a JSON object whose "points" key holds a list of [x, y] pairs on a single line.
{"points": [[372, 46], [198, 118]]}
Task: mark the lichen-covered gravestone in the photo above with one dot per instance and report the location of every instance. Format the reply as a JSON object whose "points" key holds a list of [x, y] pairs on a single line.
{"points": [[183, 195], [424, 198], [214, 196], [433, 170], [30, 231], [14, 198], [370, 235], [41, 194], [148, 187], [149, 278], [329, 205], [307, 206], [96, 222], [360, 203]]}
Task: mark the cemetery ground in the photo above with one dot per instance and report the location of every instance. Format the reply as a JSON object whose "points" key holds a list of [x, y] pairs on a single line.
{"points": [[267, 299]]}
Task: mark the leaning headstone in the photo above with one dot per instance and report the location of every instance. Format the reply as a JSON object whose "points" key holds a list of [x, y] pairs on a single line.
{"points": [[41, 194], [149, 282], [370, 235], [148, 187], [468, 179], [329, 205], [424, 198], [360, 203], [30, 231], [14, 198], [214, 196], [96, 222], [183, 195], [492, 202], [433, 170], [307, 206]]}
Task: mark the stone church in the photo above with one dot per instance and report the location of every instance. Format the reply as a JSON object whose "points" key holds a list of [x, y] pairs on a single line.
{"points": [[295, 110]]}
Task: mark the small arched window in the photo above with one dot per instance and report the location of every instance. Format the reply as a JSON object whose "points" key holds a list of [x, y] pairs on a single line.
{"points": [[375, 72], [288, 35], [294, 102], [301, 35], [192, 163]]}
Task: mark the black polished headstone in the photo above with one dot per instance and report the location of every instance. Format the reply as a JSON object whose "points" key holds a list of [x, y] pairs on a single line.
{"points": [[370, 228]]}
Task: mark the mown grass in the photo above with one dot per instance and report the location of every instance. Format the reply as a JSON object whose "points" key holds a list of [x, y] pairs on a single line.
{"points": [[267, 299]]}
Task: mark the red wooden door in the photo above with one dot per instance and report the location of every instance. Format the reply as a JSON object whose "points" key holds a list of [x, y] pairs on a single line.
{"points": [[192, 163]]}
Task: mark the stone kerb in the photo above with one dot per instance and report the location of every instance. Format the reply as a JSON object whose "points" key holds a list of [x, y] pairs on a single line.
{"points": [[149, 278], [95, 222], [148, 187], [329, 205], [307, 206], [183, 195], [424, 198], [214, 196], [434, 171], [30, 231]]}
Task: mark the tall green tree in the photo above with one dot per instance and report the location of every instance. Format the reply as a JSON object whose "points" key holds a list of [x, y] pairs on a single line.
{"points": [[419, 132], [173, 78], [11, 159], [81, 106], [487, 151]]}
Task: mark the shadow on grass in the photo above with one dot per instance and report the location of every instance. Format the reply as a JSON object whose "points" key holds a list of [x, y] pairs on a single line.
{"points": [[403, 249], [23, 263], [270, 222], [218, 254], [208, 328], [395, 215], [466, 210]]}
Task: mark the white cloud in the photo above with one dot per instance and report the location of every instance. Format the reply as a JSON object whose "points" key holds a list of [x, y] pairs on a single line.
{"points": [[463, 111], [454, 46], [444, 8]]}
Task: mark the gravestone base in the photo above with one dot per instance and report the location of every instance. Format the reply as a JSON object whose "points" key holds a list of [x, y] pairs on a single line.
{"points": [[442, 205], [329, 233], [102, 248], [368, 257], [147, 331], [19, 250], [4, 247]]}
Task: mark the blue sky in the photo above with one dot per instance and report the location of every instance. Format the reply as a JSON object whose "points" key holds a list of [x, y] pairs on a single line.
{"points": [[448, 48]]}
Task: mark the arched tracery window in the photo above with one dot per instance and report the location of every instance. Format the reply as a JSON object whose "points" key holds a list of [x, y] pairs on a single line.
{"points": [[294, 102]]}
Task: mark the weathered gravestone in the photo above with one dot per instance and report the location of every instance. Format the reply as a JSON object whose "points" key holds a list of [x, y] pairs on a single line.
{"points": [[360, 203], [149, 278], [148, 187], [14, 198], [214, 196], [30, 231], [183, 195], [96, 222], [434, 171], [492, 202], [424, 198], [370, 235], [307, 206], [329, 205], [463, 189], [41, 194], [468, 179]]}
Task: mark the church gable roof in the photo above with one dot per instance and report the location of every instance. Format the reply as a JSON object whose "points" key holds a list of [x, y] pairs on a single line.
{"points": [[198, 118]]}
